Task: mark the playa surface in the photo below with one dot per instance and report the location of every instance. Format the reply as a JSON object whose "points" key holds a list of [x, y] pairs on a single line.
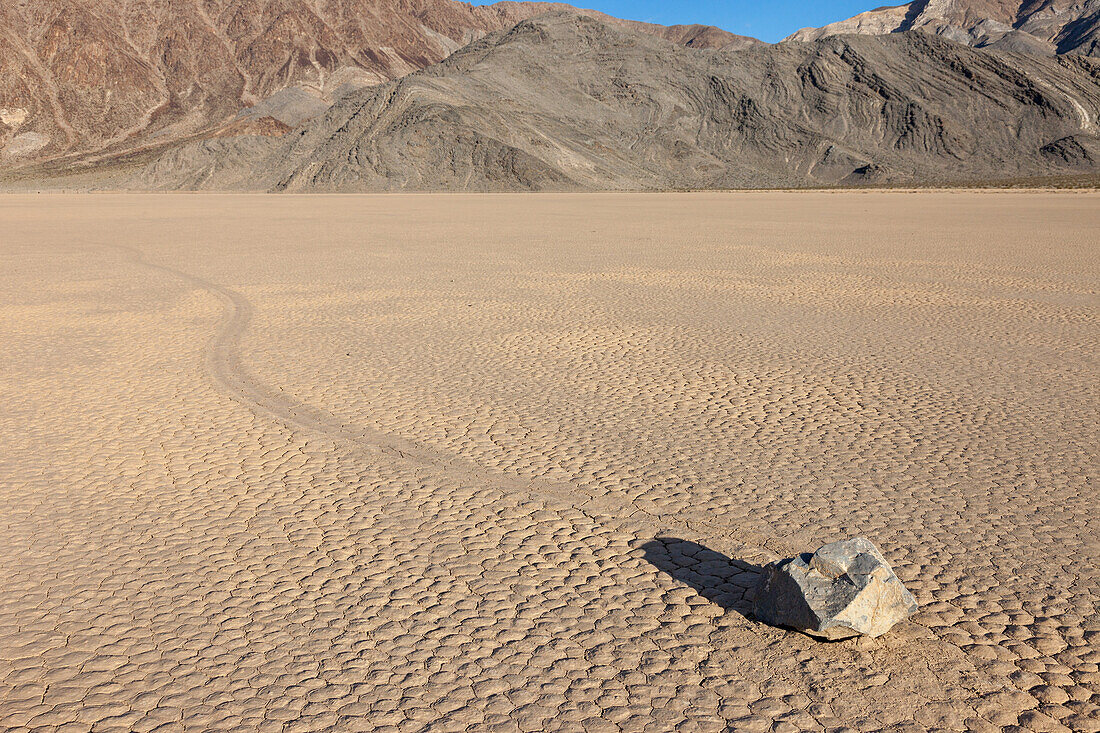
{"points": [[510, 463]]}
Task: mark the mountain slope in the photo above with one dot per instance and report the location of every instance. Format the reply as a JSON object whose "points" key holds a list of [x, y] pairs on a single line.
{"points": [[566, 102], [104, 76], [1037, 26]]}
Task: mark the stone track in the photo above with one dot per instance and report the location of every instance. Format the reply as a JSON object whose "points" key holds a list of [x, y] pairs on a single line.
{"points": [[224, 365], [385, 494]]}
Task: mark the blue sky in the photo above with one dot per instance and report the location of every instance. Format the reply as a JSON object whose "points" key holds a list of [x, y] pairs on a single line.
{"points": [[769, 20]]}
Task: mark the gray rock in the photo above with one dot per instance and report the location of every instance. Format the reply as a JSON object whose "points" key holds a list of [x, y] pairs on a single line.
{"points": [[844, 589]]}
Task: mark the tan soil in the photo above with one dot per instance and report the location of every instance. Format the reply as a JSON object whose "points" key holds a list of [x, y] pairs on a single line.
{"points": [[510, 462]]}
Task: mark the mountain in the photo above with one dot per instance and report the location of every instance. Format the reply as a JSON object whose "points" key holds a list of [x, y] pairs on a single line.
{"points": [[99, 77], [567, 102], [1035, 26]]}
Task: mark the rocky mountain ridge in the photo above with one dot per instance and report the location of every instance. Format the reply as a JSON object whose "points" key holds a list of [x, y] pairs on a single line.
{"points": [[1033, 26], [564, 102], [85, 79]]}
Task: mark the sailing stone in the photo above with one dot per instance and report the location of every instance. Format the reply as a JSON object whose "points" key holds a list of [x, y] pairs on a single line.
{"points": [[844, 589]]}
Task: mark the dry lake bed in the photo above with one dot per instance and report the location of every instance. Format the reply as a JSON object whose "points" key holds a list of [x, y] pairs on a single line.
{"points": [[513, 463]]}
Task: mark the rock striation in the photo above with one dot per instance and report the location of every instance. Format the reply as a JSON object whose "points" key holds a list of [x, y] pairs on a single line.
{"points": [[102, 78], [1027, 26], [564, 102], [844, 589]]}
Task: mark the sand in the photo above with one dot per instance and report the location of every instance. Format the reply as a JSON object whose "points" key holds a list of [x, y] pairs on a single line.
{"points": [[510, 463]]}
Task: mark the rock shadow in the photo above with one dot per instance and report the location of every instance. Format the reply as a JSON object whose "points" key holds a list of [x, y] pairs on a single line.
{"points": [[914, 12], [724, 580]]}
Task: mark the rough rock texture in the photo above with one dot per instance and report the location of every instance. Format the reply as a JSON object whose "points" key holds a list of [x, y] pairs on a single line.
{"points": [[1034, 26], [107, 76], [256, 126], [566, 102], [844, 589]]}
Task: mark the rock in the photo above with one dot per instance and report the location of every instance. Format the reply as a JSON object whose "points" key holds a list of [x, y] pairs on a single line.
{"points": [[1007, 25], [791, 115], [226, 53], [844, 589]]}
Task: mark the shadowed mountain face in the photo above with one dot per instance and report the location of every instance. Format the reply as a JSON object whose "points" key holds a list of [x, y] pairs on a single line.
{"points": [[87, 76], [567, 102], [1034, 26]]}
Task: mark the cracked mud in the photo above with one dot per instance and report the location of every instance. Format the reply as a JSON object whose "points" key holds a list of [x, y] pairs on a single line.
{"points": [[458, 463]]}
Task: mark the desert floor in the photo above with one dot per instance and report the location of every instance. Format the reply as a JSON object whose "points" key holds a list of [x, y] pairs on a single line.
{"points": [[510, 463]]}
